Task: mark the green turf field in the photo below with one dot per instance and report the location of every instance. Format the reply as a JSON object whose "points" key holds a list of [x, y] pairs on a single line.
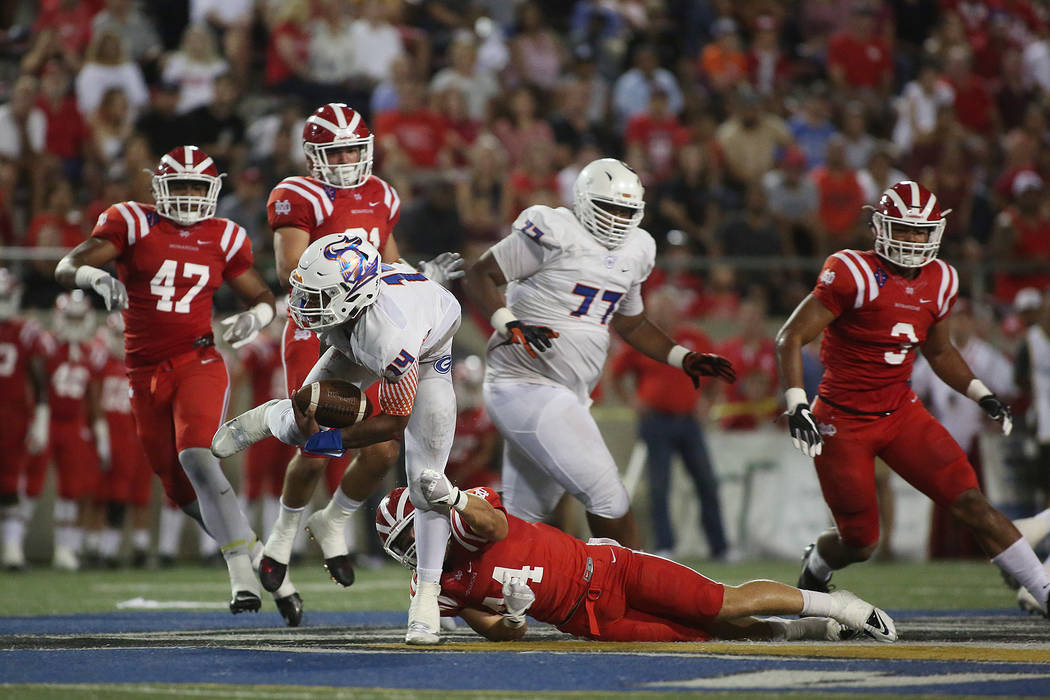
{"points": [[41, 591]]}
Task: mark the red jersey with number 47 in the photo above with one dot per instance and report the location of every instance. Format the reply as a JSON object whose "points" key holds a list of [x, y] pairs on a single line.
{"points": [[171, 273], [306, 203], [868, 350], [551, 562]]}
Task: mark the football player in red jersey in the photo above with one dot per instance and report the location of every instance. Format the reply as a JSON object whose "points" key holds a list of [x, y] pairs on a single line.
{"points": [[23, 384], [170, 259], [77, 438], [341, 195], [874, 308], [499, 566]]}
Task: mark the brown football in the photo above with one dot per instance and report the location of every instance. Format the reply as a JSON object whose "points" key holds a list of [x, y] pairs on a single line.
{"points": [[339, 403]]}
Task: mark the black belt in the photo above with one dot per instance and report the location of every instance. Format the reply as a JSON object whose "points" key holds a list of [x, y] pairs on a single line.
{"points": [[854, 411], [587, 573], [205, 341]]}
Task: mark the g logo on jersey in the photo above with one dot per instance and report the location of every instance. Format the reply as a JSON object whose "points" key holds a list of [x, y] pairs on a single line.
{"points": [[444, 364]]}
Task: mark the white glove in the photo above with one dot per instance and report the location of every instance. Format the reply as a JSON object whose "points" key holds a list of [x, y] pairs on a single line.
{"points": [[101, 430], [244, 327], [36, 439], [517, 598], [444, 268], [439, 491], [105, 285]]}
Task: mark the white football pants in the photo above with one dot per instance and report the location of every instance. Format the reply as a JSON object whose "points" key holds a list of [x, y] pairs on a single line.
{"points": [[552, 445]]}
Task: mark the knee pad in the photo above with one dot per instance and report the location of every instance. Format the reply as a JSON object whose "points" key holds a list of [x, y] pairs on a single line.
{"points": [[611, 501], [202, 468]]}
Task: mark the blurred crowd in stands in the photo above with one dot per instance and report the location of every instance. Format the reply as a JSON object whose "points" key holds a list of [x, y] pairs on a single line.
{"points": [[761, 128]]}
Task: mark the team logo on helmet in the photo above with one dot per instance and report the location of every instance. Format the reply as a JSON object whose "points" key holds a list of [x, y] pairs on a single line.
{"points": [[354, 266]]}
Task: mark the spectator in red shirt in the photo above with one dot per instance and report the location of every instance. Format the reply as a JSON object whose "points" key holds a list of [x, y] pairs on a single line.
{"points": [[534, 181], [412, 136], [66, 131], [768, 66], [289, 48], [62, 30], [752, 399], [656, 135], [667, 424], [522, 124], [974, 105], [841, 196], [1022, 237], [858, 58]]}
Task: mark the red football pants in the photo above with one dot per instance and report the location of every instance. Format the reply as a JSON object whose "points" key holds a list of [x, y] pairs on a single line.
{"points": [[637, 597], [14, 459], [73, 452], [129, 479], [909, 440], [179, 404]]}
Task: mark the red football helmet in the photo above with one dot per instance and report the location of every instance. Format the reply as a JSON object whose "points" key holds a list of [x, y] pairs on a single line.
{"points": [[331, 129], [394, 519], [10, 294], [186, 165], [74, 320], [908, 205]]}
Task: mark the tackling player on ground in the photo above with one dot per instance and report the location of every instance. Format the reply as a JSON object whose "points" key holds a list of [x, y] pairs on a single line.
{"points": [[341, 195], [874, 308], [170, 259], [387, 324], [499, 566], [570, 275]]}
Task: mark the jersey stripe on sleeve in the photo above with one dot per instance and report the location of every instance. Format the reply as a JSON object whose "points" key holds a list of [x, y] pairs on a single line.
{"points": [[862, 264], [857, 277], [141, 216], [238, 241], [130, 221], [326, 203], [463, 535], [948, 289]]}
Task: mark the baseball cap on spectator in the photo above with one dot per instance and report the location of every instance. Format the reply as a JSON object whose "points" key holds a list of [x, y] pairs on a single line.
{"points": [[1027, 299], [723, 26], [1026, 180]]}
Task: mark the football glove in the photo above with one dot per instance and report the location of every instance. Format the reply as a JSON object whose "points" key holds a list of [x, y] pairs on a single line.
{"points": [[439, 491], [804, 431], [997, 411], [517, 598], [444, 268], [531, 337], [241, 329], [112, 292], [702, 364]]}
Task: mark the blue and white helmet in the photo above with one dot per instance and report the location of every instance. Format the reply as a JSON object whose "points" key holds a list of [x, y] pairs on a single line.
{"points": [[336, 279], [609, 200]]}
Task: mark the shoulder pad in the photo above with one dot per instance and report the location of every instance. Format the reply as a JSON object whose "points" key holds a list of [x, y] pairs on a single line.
{"points": [[544, 225]]}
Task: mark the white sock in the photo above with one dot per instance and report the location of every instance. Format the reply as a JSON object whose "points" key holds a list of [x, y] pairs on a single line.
{"points": [[285, 528], [242, 578], [271, 507], [350, 533], [299, 543], [28, 508], [1036, 528], [817, 566], [1020, 561], [816, 604], [340, 508], [432, 532], [220, 511], [168, 535], [65, 511], [280, 419], [109, 543], [140, 540], [92, 542], [14, 529], [76, 538]]}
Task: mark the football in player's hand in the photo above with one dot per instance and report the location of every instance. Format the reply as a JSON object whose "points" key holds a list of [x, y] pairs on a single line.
{"points": [[337, 403]]}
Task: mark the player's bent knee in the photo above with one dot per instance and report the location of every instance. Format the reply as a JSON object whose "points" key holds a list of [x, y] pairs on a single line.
{"points": [[611, 504]]}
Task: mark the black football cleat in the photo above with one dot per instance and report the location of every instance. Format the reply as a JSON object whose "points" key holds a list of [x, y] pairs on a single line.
{"points": [[340, 569], [245, 601], [806, 579], [272, 573], [291, 609]]}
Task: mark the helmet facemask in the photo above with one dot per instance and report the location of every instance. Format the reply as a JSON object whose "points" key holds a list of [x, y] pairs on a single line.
{"points": [[608, 200], [340, 174], [395, 520], [910, 254], [181, 207]]}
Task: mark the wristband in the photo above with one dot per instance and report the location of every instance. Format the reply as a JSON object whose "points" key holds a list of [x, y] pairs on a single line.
{"points": [[263, 313], [461, 501], [977, 390], [86, 276], [500, 318], [514, 621], [677, 355], [794, 396], [326, 442]]}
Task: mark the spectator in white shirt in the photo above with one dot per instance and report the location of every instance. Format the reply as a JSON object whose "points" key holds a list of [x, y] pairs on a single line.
{"points": [[105, 67], [478, 86], [194, 68], [377, 42], [23, 125]]}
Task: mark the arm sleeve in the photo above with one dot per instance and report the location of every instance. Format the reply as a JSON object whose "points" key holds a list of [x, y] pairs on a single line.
{"points": [[836, 287], [397, 393], [462, 534], [113, 224]]}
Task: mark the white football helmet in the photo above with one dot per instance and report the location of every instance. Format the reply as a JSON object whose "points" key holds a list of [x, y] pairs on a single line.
{"points": [[10, 294], [395, 518], [609, 200], [336, 279], [73, 321]]}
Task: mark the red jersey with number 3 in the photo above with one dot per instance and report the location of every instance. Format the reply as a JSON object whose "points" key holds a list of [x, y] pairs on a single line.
{"points": [[869, 349], [171, 273], [551, 562], [306, 203], [19, 339]]}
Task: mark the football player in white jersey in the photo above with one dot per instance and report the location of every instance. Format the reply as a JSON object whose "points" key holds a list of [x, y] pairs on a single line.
{"points": [[385, 323], [570, 275]]}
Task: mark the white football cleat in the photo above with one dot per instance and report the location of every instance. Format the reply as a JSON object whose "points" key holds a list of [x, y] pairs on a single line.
{"points": [[243, 431], [1027, 602], [862, 616], [14, 558], [424, 617], [65, 559]]}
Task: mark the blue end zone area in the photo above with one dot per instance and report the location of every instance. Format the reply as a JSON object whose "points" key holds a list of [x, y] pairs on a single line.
{"points": [[364, 650]]}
